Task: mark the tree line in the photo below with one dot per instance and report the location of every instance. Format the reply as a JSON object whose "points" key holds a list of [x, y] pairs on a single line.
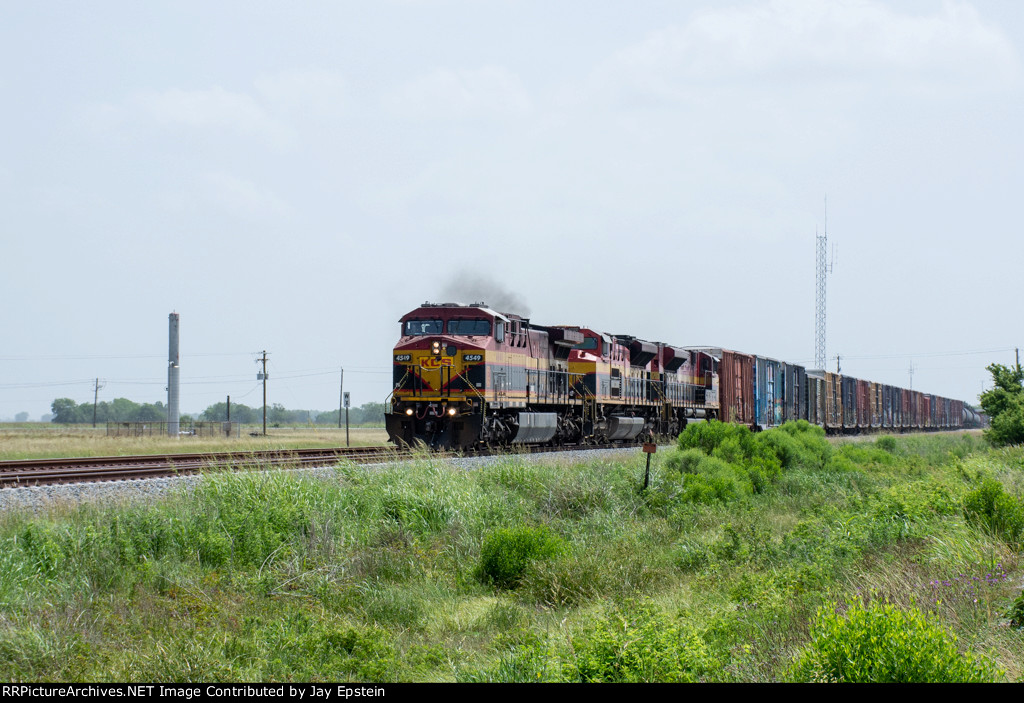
{"points": [[277, 414], [67, 411]]}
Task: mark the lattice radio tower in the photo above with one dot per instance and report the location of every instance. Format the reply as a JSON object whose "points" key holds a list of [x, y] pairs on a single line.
{"points": [[824, 269]]}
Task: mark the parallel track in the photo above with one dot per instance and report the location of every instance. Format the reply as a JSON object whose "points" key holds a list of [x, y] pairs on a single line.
{"points": [[43, 472], [48, 472]]}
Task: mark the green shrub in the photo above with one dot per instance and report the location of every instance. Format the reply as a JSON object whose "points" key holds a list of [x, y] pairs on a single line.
{"points": [[716, 481], [887, 443], [639, 643], [992, 507], [683, 461], [506, 553], [708, 436], [881, 643]]}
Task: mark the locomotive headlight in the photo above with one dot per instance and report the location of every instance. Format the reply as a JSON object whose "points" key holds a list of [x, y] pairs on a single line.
{"points": [[435, 348], [451, 412], [408, 411]]}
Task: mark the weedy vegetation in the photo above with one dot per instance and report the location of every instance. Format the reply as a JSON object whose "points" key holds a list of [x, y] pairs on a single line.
{"points": [[775, 556]]}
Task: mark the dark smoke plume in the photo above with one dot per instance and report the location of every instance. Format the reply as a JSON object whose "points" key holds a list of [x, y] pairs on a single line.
{"points": [[466, 287]]}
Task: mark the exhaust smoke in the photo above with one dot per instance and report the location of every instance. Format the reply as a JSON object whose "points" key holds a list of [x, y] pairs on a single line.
{"points": [[466, 287]]}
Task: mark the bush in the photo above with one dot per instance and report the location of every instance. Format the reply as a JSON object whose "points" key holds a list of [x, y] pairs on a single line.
{"points": [[881, 643], [708, 436], [506, 553], [887, 443], [992, 507], [716, 481], [683, 461], [638, 643]]}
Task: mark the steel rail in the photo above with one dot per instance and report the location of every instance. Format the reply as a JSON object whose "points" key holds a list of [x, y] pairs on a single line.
{"points": [[44, 472]]}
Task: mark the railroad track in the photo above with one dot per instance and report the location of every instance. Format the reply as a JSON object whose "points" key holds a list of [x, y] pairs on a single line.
{"points": [[43, 472], [48, 472]]}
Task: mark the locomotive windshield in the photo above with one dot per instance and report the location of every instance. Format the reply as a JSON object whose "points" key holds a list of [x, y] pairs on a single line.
{"points": [[420, 327], [479, 328]]}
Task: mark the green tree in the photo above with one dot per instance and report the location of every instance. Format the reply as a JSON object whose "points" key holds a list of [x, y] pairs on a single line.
{"points": [[66, 411], [152, 412], [218, 412], [1004, 404]]}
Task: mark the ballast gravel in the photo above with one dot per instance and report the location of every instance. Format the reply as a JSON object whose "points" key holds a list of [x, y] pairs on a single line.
{"points": [[41, 499]]}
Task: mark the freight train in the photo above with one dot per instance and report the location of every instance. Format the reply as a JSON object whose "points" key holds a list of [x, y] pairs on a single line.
{"points": [[468, 375]]}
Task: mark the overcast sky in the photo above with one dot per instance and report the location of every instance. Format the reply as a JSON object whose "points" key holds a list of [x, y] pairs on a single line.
{"points": [[296, 176]]}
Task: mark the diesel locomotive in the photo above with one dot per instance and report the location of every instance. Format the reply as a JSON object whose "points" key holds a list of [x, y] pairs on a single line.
{"points": [[468, 375]]}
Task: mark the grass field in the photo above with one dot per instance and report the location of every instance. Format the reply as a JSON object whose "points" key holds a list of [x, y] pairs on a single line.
{"points": [[41, 441], [746, 560]]}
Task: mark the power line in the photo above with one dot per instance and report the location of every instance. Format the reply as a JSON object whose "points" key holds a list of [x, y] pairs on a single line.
{"points": [[929, 354], [90, 357]]}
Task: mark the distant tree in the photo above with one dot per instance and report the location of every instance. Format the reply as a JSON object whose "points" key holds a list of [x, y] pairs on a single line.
{"points": [[371, 414], [65, 411], [365, 414], [21, 417], [122, 410], [329, 418], [151, 412], [239, 413], [1004, 405]]}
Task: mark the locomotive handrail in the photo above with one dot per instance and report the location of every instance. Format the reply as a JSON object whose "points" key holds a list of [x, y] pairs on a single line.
{"points": [[462, 375], [397, 386]]}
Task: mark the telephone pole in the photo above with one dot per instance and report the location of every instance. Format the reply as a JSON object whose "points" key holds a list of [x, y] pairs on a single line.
{"points": [[263, 377], [95, 399]]}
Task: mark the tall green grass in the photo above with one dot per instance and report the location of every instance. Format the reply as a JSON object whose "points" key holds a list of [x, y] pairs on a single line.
{"points": [[554, 571]]}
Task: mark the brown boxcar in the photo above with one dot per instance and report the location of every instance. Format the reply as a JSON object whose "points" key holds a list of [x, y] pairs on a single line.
{"points": [[736, 388], [833, 402], [863, 404]]}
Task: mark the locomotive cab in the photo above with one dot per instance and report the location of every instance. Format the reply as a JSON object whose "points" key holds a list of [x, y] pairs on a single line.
{"points": [[440, 374]]}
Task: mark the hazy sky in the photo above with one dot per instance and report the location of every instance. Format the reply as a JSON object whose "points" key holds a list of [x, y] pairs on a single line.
{"points": [[296, 176]]}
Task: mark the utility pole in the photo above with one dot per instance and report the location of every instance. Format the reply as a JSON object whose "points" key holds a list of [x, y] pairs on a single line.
{"points": [[263, 377], [911, 372], [341, 396], [838, 369], [95, 400]]}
